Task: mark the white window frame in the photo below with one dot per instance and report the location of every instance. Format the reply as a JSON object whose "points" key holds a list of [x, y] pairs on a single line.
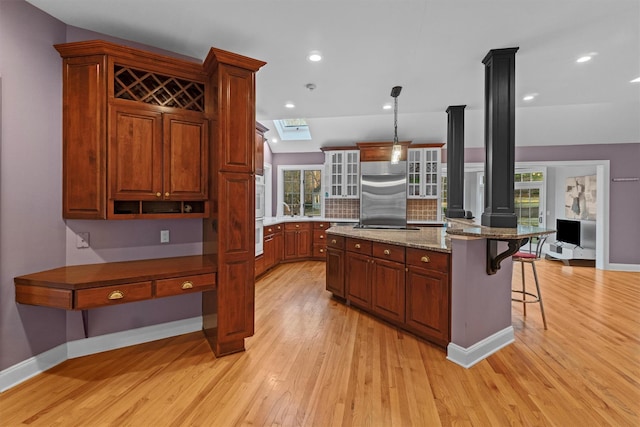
{"points": [[280, 180]]}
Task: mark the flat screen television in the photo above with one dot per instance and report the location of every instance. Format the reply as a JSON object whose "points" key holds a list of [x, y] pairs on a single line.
{"points": [[568, 231]]}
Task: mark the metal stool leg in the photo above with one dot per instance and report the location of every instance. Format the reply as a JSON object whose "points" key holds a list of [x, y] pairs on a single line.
{"points": [[535, 276], [524, 294]]}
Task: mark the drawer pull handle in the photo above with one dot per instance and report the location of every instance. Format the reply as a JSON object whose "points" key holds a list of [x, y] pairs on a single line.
{"points": [[357, 245], [116, 295], [187, 285], [387, 252], [334, 241], [425, 259]]}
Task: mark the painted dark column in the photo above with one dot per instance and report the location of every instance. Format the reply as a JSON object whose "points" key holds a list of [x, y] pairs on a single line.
{"points": [[455, 161], [500, 105]]}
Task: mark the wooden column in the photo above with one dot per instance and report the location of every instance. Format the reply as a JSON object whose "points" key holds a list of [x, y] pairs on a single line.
{"points": [[229, 235], [499, 165], [455, 161]]}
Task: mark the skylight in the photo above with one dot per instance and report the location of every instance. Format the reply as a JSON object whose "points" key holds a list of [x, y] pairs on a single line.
{"points": [[293, 129]]}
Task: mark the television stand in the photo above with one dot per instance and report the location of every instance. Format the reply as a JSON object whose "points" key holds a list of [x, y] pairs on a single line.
{"points": [[570, 254]]}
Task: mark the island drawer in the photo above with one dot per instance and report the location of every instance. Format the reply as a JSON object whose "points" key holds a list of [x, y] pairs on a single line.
{"points": [[334, 241], [359, 245], [431, 260], [185, 284], [110, 295], [390, 252], [321, 225]]}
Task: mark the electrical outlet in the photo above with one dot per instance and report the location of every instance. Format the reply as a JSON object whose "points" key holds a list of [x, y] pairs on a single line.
{"points": [[164, 236], [82, 240]]}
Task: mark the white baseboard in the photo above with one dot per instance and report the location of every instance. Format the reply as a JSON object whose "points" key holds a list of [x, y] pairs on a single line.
{"points": [[35, 365], [467, 357], [623, 267]]}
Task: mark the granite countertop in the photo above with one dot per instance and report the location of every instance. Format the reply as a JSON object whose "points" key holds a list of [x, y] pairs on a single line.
{"points": [[470, 228], [431, 238], [270, 220]]}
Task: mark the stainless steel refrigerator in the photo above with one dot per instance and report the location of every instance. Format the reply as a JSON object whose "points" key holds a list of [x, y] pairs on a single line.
{"points": [[383, 195]]}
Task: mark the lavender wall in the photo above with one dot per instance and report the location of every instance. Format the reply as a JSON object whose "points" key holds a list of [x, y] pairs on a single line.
{"points": [[278, 159], [624, 199], [34, 236], [33, 232]]}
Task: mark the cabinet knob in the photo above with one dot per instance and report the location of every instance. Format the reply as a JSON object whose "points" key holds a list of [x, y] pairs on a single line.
{"points": [[166, 194], [387, 252], [269, 230], [322, 236], [321, 251], [116, 295], [158, 194], [297, 225], [334, 241], [425, 259], [357, 245], [186, 285], [279, 228], [321, 225]]}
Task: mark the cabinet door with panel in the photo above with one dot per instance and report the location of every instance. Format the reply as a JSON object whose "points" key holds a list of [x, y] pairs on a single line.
{"points": [[156, 156], [358, 279], [428, 294], [297, 240], [423, 173], [342, 169], [388, 282], [335, 268]]}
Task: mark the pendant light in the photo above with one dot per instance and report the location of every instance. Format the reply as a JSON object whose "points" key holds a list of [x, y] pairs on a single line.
{"points": [[396, 150]]}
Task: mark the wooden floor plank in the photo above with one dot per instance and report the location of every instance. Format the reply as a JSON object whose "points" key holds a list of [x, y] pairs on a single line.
{"points": [[315, 362]]}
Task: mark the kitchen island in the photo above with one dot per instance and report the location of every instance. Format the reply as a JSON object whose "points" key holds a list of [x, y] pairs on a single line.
{"points": [[448, 285], [400, 276]]}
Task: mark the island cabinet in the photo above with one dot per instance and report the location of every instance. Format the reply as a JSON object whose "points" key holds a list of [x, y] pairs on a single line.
{"points": [[406, 286], [297, 240], [335, 266], [428, 294], [375, 278], [135, 134]]}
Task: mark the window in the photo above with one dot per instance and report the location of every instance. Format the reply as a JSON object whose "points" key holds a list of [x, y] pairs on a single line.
{"points": [[300, 190]]}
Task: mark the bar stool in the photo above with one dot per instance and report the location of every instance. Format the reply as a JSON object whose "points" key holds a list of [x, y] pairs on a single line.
{"points": [[530, 297]]}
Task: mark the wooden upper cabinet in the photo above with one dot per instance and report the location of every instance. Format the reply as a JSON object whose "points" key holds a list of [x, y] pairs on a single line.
{"points": [[84, 171], [259, 161], [136, 134]]}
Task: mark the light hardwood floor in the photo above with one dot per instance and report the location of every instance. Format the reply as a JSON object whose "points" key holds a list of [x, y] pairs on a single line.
{"points": [[314, 361]]}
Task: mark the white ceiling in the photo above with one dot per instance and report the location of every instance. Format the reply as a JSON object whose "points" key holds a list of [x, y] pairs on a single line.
{"points": [[432, 48]]}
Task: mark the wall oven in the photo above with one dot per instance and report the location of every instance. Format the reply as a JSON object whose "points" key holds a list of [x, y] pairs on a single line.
{"points": [[259, 236], [260, 201]]}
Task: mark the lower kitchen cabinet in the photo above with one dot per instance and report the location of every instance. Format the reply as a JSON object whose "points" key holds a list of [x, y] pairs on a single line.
{"points": [[297, 240], [428, 295], [408, 287], [335, 266]]}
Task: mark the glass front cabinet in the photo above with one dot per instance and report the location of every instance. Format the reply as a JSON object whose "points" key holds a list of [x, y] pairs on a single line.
{"points": [[342, 174], [423, 173]]}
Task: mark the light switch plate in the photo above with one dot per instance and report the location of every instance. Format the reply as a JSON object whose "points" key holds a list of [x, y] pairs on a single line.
{"points": [[164, 236]]}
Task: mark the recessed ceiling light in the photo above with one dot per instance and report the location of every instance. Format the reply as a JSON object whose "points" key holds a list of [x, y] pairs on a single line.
{"points": [[290, 105], [529, 97], [314, 56], [387, 107], [274, 140], [583, 59], [637, 80]]}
